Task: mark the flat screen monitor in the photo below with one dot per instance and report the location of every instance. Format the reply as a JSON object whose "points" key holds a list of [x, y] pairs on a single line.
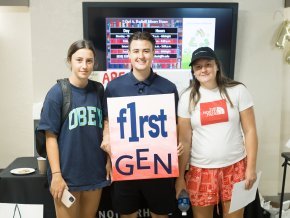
{"points": [[178, 28]]}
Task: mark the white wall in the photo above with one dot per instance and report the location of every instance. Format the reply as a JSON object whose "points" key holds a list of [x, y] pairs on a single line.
{"points": [[16, 93], [259, 65], [56, 24]]}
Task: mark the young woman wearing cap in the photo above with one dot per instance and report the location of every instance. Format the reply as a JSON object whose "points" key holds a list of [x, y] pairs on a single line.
{"points": [[217, 129]]}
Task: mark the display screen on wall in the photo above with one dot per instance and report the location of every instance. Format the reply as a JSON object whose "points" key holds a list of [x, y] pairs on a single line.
{"points": [[178, 28]]}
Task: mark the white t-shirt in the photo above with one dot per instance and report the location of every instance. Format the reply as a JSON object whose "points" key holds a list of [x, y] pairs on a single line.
{"points": [[217, 138]]}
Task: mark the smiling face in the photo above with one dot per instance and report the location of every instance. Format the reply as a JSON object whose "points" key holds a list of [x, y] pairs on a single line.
{"points": [[205, 71], [141, 54], [82, 64]]}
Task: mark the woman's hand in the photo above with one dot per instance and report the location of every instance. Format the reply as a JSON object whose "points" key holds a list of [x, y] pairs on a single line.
{"points": [[250, 178], [180, 149], [108, 168], [57, 186], [105, 146]]}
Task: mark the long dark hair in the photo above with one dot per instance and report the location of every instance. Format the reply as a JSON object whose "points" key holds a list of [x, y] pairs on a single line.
{"points": [[222, 81]]}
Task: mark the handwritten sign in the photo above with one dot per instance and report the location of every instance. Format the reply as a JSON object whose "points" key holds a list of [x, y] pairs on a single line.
{"points": [[143, 137]]}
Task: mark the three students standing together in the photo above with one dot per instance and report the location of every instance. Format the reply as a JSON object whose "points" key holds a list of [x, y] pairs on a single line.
{"points": [[216, 129]]}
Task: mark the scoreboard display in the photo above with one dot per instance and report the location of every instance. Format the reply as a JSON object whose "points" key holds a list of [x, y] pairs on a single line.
{"points": [[166, 31], [179, 28]]}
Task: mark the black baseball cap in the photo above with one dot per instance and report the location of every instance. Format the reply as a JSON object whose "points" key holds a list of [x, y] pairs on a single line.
{"points": [[202, 52]]}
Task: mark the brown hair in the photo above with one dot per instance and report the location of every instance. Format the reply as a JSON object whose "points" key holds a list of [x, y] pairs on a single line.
{"points": [[80, 44], [142, 36]]}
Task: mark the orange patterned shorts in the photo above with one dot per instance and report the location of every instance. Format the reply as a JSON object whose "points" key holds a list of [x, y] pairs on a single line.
{"points": [[208, 186]]}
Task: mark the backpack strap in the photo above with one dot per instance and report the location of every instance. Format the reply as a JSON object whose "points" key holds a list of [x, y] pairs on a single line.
{"points": [[100, 89], [40, 140], [66, 98], [100, 93]]}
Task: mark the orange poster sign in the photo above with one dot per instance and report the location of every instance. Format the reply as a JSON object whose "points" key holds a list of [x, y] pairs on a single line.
{"points": [[143, 137]]}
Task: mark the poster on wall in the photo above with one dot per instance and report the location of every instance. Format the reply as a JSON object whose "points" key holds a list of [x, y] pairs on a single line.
{"points": [[143, 139]]}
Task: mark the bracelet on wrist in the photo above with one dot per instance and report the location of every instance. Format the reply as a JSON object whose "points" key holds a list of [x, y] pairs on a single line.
{"points": [[55, 172]]}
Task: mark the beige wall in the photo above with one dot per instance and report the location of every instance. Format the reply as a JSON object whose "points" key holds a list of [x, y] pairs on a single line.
{"points": [[16, 95], [55, 24]]}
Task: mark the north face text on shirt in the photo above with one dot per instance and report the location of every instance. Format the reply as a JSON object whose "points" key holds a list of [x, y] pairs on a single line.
{"points": [[213, 112]]}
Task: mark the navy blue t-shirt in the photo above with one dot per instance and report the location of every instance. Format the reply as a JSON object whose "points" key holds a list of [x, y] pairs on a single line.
{"points": [[128, 85], [82, 161]]}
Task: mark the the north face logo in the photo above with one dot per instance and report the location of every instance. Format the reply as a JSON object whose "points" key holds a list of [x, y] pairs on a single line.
{"points": [[213, 112]]}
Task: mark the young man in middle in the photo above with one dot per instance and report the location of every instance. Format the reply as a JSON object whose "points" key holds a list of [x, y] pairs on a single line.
{"points": [[158, 193]]}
